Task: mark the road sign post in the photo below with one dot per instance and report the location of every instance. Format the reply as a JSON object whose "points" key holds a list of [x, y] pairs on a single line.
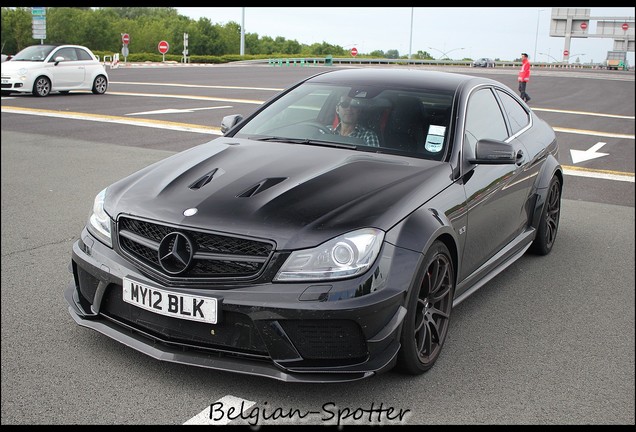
{"points": [[125, 40], [185, 48], [163, 48]]}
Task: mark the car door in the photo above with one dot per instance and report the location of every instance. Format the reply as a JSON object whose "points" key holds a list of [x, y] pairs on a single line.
{"points": [[496, 193], [69, 73]]}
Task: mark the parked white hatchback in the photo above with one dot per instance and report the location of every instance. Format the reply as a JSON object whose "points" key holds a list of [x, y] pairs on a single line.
{"points": [[43, 69]]}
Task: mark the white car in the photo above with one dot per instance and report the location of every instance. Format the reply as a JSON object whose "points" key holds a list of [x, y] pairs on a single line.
{"points": [[42, 69]]}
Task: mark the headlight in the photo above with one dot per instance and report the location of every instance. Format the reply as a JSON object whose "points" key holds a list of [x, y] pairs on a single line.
{"points": [[347, 255], [99, 221], [22, 71]]}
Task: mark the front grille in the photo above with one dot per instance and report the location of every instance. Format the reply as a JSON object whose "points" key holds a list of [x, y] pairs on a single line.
{"points": [[326, 339], [214, 256]]}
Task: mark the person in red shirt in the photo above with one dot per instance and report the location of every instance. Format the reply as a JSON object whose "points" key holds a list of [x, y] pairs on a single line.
{"points": [[524, 77]]}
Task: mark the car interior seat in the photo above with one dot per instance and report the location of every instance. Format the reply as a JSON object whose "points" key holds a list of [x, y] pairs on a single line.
{"points": [[405, 129]]}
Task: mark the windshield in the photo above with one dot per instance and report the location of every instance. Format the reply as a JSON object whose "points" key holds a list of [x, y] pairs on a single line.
{"points": [[413, 122], [33, 53]]}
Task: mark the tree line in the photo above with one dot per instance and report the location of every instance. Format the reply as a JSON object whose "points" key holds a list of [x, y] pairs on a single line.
{"points": [[101, 30]]}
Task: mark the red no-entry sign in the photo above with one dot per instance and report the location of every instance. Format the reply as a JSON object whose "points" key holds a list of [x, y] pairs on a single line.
{"points": [[163, 47], [566, 53], [354, 51], [625, 26], [583, 25], [125, 38]]}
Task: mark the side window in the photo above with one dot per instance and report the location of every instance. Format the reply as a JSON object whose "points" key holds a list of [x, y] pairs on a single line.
{"points": [[517, 115], [483, 120], [82, 54], [68, 54]]}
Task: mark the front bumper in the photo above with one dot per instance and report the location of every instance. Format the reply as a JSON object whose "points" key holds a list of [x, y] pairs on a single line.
{"points": [[312, 332], [14, 84]]}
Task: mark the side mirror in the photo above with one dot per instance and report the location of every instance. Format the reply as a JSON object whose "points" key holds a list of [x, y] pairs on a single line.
{"points": [[490, 151], [229, 122], [58, 59]]}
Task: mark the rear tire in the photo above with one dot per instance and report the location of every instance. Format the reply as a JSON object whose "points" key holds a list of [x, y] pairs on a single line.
{"points": [[549, 223], [429, 307], [100, 85]]}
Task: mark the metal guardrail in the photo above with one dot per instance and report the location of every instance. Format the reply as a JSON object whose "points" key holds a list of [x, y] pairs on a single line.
{"points": [[326, 61]]}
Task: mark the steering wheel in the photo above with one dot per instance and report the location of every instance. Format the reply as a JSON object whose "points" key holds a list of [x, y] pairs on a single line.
{"points": [[321, 128]]}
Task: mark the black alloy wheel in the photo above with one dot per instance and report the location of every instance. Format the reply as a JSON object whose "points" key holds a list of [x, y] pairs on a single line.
{"points": [[429, 307], [549, 223]]}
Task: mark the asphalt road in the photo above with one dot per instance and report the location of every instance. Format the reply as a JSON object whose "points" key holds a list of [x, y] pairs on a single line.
{"points": [[549, 341]]}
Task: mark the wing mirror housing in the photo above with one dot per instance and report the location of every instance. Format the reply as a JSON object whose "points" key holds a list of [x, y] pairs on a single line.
{"points": [[490, 151], [229, 122]]}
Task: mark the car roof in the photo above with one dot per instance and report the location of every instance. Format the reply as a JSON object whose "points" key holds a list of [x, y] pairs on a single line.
{"points": [[399, 78], [61, 45]]}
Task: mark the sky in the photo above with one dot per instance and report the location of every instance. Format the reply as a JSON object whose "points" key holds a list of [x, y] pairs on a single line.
{"points": [[457, 32]]}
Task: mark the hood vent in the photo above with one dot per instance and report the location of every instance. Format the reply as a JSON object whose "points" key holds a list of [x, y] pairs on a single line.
{"points": [[203, 180], [260, 187]]}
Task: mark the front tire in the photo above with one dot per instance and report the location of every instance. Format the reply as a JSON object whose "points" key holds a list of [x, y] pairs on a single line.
{"points": [[100, 85], [549, 222], [429, 307], [42, 86]]}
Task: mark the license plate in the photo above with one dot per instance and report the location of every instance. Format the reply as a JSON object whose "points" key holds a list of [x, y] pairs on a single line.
{"points": [[160, 301]]}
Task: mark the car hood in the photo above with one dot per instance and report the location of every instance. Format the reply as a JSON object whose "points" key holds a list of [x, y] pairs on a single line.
{"points": [[297, 195], [9, 67]]}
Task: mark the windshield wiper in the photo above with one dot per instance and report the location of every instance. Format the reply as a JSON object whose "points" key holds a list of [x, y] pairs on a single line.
{"points": [[282, 139], [307, 141]]}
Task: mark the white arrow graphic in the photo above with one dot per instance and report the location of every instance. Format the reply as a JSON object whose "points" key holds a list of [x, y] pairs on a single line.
{"points": [[178, 111], [580, 156]]}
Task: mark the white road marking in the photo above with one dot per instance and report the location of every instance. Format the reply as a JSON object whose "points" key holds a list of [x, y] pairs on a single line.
{"points": [[591, 153], [618, 116], [599, 174], [198, 86], [593, 133], [230, 404], [115, 119], [193, 97], [179, 111]]}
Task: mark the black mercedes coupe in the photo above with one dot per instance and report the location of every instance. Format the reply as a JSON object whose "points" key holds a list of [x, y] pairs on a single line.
{"points": [[306, 247]]}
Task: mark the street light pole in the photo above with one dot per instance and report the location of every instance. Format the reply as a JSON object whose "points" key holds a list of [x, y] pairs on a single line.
{"points": [[411, 38], [536, 36], [242, 31], [445, 54], [558, 61]]}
